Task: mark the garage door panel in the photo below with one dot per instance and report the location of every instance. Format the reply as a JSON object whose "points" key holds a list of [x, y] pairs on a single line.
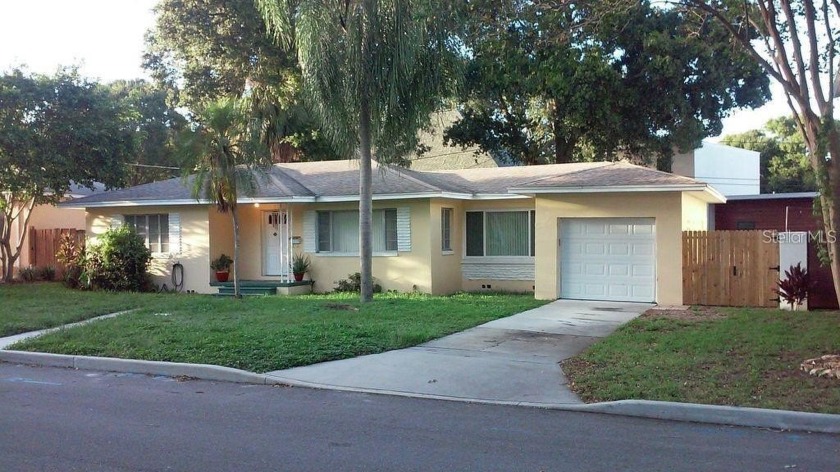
{"points": [[644, 249], [608, 259]]}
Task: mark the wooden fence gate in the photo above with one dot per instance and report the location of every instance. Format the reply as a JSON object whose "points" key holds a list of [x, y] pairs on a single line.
{"points": [[44, 244], [730, 268]]}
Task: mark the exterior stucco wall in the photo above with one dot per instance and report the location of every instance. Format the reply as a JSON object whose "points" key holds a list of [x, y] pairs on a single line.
{"points": [[446, 265], [695, 213], [195, 243], [664, 207], [507, 274], [45, 217], [404, 272]]}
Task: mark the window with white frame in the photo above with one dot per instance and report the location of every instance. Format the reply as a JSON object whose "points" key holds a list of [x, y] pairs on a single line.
{"points": [[154, 229], [500, 233], [446, 229], [338, 231]]}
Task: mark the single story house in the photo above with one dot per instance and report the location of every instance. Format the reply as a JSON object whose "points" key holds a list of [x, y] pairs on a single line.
{"points": [[600, 231], [783, 212]]}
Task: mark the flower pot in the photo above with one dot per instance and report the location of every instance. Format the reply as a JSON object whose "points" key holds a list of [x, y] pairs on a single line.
{"points": [[299, 276], [222, 276]]}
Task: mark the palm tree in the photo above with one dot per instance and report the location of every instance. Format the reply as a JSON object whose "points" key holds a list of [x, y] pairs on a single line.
{"points": [[372, 73], [223, 150]]}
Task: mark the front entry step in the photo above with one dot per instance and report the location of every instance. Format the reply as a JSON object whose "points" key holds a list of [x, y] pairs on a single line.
{"points": [[264, 287]]}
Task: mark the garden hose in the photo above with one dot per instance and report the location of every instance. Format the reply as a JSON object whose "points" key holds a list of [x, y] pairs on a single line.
{"points": [[177, 277]]}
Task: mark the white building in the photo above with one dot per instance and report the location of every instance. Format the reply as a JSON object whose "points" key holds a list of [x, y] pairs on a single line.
{"points": [[730, 170]]}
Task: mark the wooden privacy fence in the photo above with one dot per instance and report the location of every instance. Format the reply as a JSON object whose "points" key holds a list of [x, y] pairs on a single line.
{"points": [[730, 268], [44, 244]]}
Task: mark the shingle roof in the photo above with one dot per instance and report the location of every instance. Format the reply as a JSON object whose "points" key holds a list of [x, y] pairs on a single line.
{"points": [[339, 180], [615, 174]]}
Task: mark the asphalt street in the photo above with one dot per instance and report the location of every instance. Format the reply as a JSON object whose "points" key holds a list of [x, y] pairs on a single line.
{"points": [[66, 420]]}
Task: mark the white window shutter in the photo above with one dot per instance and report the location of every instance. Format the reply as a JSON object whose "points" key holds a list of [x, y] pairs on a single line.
{"points": [[404, 229], [117, 221], [175, 233], [310, 232]]}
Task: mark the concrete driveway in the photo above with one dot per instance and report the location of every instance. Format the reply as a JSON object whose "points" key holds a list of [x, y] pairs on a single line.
{"points": [[510, 360]]}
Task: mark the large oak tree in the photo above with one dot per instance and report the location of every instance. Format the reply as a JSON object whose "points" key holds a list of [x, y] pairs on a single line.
{"points": [[54, 131], [554, 82]]}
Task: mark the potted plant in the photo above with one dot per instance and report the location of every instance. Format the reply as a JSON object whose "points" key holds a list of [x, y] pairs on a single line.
{"points": [[222, 267], [300, 266]]}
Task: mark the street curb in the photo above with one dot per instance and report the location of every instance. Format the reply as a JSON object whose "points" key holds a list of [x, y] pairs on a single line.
{"points": [[110, 364], [717, 414], [672, 411]]}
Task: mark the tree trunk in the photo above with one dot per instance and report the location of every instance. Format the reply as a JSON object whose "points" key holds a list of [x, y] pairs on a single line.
{"points": [[234, 215], [365, 180], [365, 202], [564, 145], [9, 251], [829, 197]]}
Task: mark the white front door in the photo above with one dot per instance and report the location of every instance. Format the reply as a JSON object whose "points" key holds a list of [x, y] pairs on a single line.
{"points": [[275, 243], [608, 259]]}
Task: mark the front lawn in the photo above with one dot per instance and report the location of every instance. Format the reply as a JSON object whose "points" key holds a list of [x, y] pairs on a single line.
{"points": [[34, 306], [270, 333], [739, 357]]}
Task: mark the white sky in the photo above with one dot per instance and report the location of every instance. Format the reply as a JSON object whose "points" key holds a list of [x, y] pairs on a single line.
{"points": [[105, 38]]}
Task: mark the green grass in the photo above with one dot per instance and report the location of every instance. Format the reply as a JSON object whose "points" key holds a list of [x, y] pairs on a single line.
{"points": [[748, 357], [262, 334], [30, 307]]}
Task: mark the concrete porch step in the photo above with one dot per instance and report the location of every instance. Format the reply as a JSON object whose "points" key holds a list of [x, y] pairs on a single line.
{"points": [[264, 287]]}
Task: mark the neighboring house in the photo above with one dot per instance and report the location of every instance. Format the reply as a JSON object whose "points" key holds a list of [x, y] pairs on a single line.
{"points": [[52, 217], [730, 170], [602, 231], [439, 156], [783, 212]]}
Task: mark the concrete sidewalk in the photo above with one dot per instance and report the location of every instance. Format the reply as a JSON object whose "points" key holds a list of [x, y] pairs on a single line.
{"points": [[512, 360]]}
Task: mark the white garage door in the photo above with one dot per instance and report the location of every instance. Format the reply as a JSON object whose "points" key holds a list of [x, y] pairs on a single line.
{"points": [[608, 259]]}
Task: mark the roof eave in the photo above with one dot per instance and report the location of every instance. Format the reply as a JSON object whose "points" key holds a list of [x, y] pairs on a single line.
{"points": [[712, 195]]}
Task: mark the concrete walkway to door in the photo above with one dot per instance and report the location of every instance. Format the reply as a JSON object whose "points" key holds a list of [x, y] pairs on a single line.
{"points": [[510, 360]]}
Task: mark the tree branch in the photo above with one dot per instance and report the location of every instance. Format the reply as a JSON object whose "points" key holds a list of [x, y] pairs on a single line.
{"points": [[814, 59]]}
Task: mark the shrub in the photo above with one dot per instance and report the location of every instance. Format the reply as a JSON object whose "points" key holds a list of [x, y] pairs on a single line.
{"points": [[72, 255], [46, 273], [795, 287], [353, 283], [28, 274], [119, 262]]}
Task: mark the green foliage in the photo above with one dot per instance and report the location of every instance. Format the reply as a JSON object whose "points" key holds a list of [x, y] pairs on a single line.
{"points": [[54, 131], [46, 273], [747, 357], [278, 332], [593, 82], [119, 262], [784, 156], [353, 284], [71, 254], [30, 307], [795, 286], [300, 263], [155, 123], [28, 274], [222, 263], [396, 60], [205, 50]]}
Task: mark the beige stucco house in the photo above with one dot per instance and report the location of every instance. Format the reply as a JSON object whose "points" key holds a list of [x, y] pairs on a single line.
{"points": [[49, 216], [601, 231]]}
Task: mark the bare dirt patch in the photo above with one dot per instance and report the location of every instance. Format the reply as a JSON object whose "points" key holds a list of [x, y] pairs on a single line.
{"points": [[691, 314]]}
